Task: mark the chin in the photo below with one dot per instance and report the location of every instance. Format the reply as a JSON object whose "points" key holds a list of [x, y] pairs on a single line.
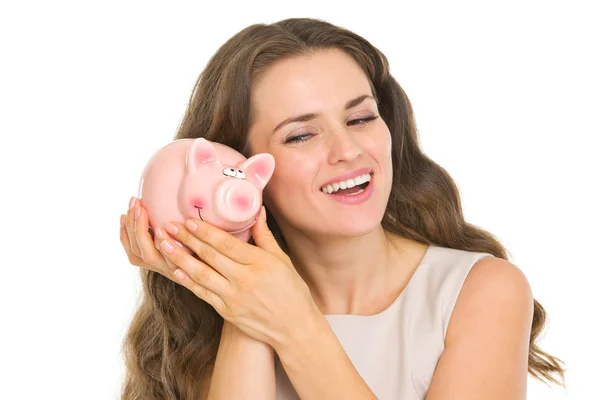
{"points": [[356, 226]]}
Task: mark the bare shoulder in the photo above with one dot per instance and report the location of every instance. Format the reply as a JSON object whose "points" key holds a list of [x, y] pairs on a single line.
{"points": [[487, 343], [494, 286]]}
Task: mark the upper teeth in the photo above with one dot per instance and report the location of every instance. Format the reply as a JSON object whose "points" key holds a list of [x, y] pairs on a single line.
{"points": [[350, 183]]}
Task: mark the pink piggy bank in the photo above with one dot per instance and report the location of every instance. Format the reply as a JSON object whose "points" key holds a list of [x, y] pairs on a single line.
{"points": [[196, 178]]}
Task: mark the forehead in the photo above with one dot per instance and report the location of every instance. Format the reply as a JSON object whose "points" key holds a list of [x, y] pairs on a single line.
{"points": [[326, 79]]}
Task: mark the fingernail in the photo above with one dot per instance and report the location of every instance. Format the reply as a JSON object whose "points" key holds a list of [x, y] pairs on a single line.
{"points": [[131, 202], [191, 225], [264, 213], [179, 274], [122, 220], [166, 246], [172, 229], [159, 233], [137, 213]]}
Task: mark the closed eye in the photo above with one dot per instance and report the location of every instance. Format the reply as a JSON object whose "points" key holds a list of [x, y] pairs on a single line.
{"points": [[355, 122], [299, 138], [362, 121]]}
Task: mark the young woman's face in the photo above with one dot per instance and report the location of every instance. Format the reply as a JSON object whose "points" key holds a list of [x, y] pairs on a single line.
{"points": [[333, 144]]}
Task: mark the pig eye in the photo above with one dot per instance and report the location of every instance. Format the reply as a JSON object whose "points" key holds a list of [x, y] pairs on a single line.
{"points": [[240, 174], [229, 172]]}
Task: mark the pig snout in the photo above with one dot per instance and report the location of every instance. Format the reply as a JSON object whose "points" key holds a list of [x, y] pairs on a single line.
{"points": [[240, 201]]}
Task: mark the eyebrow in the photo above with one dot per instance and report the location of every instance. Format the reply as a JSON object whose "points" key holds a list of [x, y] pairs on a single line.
{"points": [[311, 116]]}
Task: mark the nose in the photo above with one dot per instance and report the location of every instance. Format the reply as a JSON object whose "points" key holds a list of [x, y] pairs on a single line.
{"points": [[237, 201], [343, 147]]}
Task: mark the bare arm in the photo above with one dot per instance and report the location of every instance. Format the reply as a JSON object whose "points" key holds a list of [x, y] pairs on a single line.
{"points": [[244, 368], [487, 343], [486, 349], [318, 366]]}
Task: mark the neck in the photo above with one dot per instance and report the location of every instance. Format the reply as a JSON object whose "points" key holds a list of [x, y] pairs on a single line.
{"points": [[350, 275]]}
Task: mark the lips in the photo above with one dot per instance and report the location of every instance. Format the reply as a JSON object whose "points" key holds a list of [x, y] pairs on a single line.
{"points": [[354, 199], [348, 175]]}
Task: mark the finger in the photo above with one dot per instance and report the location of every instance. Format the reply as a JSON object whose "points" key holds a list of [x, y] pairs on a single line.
{"points": [[201, 292], [130, 230], [199, 272], [263, 237], [138, 262], [223, 242], [219, 262], [124, 237], [160, 236], [148, 252]]}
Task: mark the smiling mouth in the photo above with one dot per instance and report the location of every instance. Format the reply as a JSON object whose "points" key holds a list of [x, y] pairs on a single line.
{"points": [[200, 215], [255, 219]]}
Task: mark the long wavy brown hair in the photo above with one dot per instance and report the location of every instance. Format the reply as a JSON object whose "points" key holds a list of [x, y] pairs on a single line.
{"points": [[174, 336]]}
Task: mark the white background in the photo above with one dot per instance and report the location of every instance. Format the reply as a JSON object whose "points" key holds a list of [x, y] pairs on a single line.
{"points": [[505, 96]]}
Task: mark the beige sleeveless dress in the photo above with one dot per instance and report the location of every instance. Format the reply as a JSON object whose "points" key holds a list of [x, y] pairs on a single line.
{"points": [[397, 350]]}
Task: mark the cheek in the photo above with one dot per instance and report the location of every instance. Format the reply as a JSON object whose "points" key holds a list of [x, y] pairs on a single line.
{"points": [[387, 153], [296, 166], [292, 174], [384, 145], [379, 146]]}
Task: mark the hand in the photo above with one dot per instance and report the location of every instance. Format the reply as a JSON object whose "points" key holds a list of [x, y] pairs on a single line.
{"points": [[140, 246], [256, 288]]}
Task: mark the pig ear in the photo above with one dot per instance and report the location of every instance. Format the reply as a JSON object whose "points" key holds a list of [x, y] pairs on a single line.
{"points": [[200, 151], [259, 169]]}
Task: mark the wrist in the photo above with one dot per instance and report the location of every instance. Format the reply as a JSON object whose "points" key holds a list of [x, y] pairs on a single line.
{"points": [[244, 367], [304, 337], [232, 334]]}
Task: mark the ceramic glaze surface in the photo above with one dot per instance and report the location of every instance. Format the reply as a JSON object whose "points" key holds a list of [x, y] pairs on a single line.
{"points": [[197, 178]]}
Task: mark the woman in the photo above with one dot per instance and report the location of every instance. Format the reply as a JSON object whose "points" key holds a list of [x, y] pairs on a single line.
{"points": [[375, 288]]}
